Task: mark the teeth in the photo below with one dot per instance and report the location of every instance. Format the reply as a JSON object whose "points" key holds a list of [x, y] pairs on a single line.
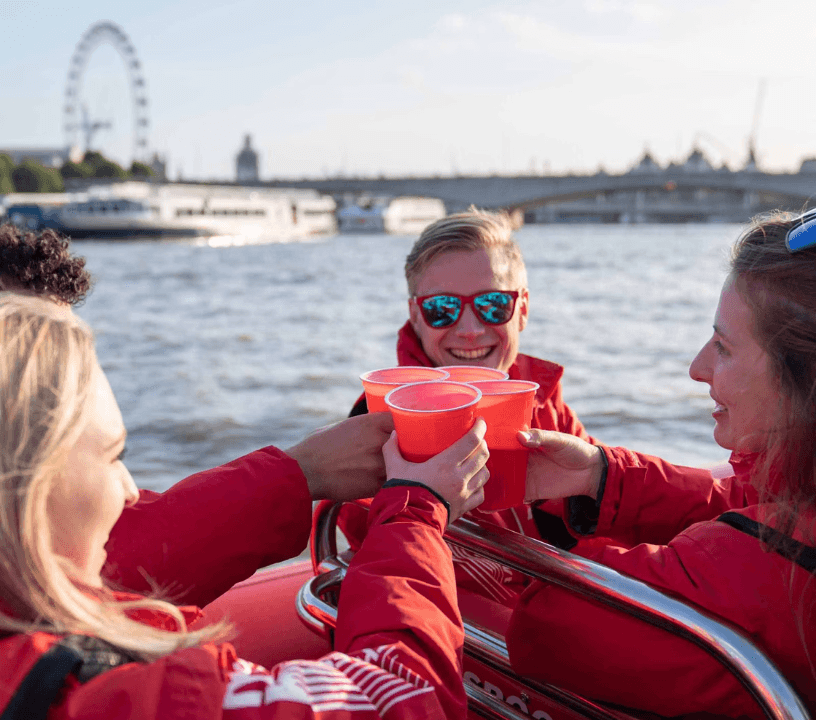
{"points": [[719, 408], [470, 354]]}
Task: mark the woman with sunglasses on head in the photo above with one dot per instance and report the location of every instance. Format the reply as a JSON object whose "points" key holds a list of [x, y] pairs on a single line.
{"points": [[74, 648], [742, 551]]}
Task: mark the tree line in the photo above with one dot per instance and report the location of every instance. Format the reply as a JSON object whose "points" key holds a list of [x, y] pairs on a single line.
{"points": [[29, 176]]}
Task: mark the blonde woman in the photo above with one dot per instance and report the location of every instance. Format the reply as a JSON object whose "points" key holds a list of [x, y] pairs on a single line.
{"points": [[72, 647]]}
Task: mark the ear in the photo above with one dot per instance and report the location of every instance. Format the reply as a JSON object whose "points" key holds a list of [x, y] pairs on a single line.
{"points": [[524, 307], [414, 315]]}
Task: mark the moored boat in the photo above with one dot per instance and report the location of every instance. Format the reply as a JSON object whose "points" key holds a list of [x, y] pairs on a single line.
{"points": [[142, 209]]}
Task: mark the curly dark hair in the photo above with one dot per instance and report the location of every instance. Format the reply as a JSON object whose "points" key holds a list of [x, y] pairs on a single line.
{"points": [[42, 264]]}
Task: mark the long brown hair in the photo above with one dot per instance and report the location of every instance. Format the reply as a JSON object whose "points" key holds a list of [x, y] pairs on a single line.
{"points": [[780, 288]]}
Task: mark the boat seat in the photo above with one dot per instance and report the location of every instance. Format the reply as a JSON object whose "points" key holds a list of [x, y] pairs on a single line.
{"points": [[494, 690]]}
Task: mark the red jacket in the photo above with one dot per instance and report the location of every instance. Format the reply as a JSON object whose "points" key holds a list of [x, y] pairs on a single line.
{"points": [[398, 639], [669, 514], [196, 540], [550, 412]]}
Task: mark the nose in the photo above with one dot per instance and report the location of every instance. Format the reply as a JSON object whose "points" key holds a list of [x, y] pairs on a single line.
{"points": [[469, 323], [700, 368], [131, 491]]}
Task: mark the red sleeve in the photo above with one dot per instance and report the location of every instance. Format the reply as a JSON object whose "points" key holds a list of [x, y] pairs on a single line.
{"points": [[400, 589], [647, 499], [562, 638], [200, 537]]}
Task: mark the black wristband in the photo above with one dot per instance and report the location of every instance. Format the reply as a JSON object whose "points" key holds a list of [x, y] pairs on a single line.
{"points": [[398, 482], [582, 511]]}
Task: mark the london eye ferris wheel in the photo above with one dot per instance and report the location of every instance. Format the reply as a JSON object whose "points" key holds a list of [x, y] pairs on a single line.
{"points": [[76, 122]]}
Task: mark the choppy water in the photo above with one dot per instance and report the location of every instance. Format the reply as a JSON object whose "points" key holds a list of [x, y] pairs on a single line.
{"points": [[215, 351]]}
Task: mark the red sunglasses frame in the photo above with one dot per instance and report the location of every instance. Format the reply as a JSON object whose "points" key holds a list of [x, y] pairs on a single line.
{"points": [[467, 300]]}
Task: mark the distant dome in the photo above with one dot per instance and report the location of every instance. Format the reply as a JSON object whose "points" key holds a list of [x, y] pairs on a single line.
{"points": [[697, 162], [246, 163], [647, 164]]}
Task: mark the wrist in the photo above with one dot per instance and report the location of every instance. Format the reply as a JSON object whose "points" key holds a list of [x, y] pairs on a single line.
{"points": [[597, 478], [313, 481]]}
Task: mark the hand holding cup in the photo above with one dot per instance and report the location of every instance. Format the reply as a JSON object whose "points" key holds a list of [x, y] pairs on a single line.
{"points": [[458, 473]]}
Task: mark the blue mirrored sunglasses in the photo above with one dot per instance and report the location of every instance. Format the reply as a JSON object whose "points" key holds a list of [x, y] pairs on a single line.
{"points": [[494, 307], [803, 234]]}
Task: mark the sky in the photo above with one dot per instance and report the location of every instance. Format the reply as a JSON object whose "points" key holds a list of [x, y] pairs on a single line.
{"points": [[327, 87]]}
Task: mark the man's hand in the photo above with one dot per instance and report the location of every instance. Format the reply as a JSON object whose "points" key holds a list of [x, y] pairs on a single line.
{"points": [[345, 461]]}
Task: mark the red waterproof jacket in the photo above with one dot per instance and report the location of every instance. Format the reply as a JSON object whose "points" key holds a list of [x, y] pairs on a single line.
{"points": [[668, 515], [550, 412], [398, 640], [194, 541]]}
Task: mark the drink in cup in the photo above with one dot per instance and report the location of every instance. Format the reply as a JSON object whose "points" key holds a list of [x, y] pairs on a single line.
{"points": [[507, 407], [378, 383], [472, 373], [431, 416]]}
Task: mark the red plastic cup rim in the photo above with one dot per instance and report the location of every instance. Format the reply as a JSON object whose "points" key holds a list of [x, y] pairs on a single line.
{"points": [[511, 387], [366, 376], [452, 369], [403, 388]]}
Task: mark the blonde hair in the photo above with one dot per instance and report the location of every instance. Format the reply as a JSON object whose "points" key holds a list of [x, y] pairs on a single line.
{"points": [[467, 231], [47, 370]]}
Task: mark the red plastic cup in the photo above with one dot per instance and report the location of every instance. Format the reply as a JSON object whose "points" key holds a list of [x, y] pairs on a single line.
{"points": [[507, 407], [473, 373], [431, 416], [378, 383]]}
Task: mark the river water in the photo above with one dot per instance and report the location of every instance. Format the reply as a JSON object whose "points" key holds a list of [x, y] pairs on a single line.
{"points": [[215, 349]]}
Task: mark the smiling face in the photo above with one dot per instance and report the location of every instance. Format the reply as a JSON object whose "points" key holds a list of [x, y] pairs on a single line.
{"points": [[739, 374], [469, 341], [91, 491]]}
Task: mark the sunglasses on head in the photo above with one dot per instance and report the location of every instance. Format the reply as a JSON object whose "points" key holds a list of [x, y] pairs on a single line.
{"points": [[494, 307], [803, 233]]}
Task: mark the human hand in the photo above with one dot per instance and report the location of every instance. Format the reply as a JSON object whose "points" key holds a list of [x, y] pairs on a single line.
{"points": [[344, 461], [458, 473], [560, 465]]}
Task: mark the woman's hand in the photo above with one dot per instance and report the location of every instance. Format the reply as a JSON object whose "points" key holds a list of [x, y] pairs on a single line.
{"points": [[560, 465], [458, 473]]}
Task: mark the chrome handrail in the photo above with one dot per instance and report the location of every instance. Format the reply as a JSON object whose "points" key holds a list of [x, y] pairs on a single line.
{"points": [[541, 561]]}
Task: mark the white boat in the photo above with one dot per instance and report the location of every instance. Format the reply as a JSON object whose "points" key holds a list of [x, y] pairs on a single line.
{"points": [[403, 215], [411, 215], [152, 209]]}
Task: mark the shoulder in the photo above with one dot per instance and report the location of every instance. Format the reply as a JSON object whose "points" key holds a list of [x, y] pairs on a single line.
{"points": [[546, 373]]}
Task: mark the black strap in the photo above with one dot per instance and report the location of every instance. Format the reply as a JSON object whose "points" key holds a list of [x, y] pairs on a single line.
{"points": [[83, 656], [553, 530], [360, 407], [786, 546], [399, 482], [39, 688]]}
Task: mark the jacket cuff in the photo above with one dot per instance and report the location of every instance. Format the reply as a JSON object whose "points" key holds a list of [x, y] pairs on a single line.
{"points": [[398, 482], [582, 511]]}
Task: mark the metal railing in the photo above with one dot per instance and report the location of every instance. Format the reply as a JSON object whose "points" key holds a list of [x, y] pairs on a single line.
{"points": [[538, 560]]}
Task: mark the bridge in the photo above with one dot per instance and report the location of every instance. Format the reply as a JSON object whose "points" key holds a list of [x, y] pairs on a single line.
{"points": [[672, 194]]}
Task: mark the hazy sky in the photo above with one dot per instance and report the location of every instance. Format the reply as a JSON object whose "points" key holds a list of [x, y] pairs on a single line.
{"points": [[435, 86]]}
